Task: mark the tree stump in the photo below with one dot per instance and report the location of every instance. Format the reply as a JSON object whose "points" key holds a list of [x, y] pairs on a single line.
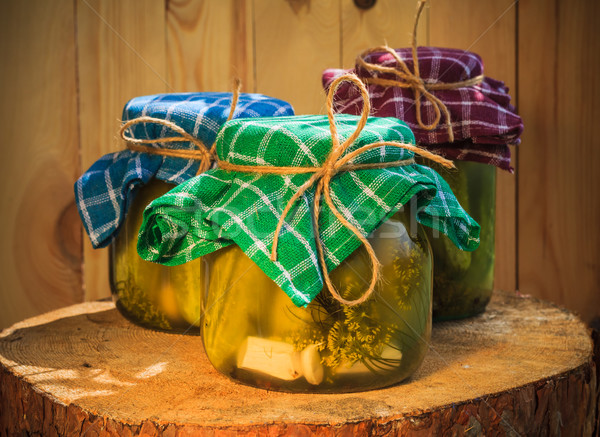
{"points": [[524, 367]]}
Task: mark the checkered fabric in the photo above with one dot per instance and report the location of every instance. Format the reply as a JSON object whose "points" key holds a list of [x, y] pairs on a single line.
{"points": [[483, 120], [104, 192], [219, 207]]}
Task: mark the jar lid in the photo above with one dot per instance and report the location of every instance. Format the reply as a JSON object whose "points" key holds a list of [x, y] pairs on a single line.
{"points": [[238, 203], [105, 191], [483, 122], [305, 141]]}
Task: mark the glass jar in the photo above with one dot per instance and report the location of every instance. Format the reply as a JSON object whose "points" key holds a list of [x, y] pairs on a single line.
{"points": [[463, 281], [254, 334], [153, 295]]}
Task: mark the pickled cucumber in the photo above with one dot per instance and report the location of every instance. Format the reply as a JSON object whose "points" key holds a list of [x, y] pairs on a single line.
{"points": [[463, 281], [449, 258], [253, 333], [189, 280], [153, 295]]}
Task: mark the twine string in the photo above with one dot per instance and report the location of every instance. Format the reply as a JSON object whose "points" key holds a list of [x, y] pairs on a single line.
{"points": [[407, 79], [336, 162], [201, 153]]}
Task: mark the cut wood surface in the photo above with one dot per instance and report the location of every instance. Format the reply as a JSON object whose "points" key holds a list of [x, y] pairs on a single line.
{"points": [[522, 368]]}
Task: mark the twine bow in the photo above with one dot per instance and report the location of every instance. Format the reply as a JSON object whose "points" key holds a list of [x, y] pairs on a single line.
{"points": [[201, 153], [412, 79], [335, 163]]}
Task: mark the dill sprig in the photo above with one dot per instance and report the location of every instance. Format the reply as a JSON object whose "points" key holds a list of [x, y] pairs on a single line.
{"points": [[135, 301], [359, 334]]}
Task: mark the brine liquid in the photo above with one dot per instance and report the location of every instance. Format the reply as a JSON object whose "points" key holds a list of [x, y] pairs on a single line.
{"points": [[254, 334], [463, 281], [152, 295]]}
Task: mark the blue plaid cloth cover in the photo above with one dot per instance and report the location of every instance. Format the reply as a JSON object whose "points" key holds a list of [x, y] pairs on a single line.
{"points": [[104, 192]]}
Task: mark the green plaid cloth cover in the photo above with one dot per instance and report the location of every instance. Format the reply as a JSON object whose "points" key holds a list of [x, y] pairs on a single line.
{"points": [[219, 207]]}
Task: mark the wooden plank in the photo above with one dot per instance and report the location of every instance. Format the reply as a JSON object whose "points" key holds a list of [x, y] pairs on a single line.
{"points": [[118, 58], [489, 29], [209, 43], [294, 42], [388, 21], [40, 243], [559, 212]]}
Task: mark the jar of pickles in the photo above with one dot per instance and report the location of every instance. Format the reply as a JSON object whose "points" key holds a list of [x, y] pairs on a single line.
{"points": [[463, 282], [457, 111], [254, 334], [153, 295], [168, 139]]}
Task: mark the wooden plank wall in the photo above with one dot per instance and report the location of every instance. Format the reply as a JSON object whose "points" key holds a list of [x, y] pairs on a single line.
{"points": [[67, 72], [209, 43], [558, 191], [116, 61], [40, 236]]}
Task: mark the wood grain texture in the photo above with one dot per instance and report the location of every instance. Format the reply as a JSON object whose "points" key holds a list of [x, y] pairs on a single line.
{"points": [[295, 40], [121, 55], [388, 21], [559, 207], [40, 243], [523, 368], [488, 29], [208, 44], [117, 51]]}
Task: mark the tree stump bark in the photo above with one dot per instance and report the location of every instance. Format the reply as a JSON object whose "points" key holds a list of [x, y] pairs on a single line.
{"points": [[524, 367]]}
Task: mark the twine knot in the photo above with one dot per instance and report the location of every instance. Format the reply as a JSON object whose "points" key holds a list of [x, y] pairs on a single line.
{"points": [[329, 168], [206, 155], [412, 79]]}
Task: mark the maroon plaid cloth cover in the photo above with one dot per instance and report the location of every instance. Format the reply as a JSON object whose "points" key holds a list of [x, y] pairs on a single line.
{"points": [[483, 120]]}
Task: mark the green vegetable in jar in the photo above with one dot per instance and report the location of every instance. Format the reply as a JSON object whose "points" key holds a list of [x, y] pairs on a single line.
{"points": [[253, 333], [149, 294], [463, 281]]}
